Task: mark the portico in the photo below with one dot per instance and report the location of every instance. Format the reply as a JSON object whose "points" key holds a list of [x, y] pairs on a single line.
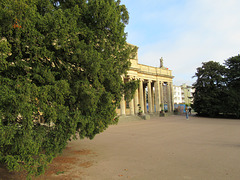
{"points": [[155, 92]]}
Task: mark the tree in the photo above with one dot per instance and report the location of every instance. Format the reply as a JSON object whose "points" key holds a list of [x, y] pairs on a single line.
{"points": [[61, 67], [233, 85], [209, 89]]}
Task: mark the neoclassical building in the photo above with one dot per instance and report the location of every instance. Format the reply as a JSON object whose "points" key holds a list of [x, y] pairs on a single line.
{"points": [[155, 90]]}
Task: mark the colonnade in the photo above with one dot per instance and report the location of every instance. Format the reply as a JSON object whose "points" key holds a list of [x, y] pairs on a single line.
{"points": [[154, 93]]}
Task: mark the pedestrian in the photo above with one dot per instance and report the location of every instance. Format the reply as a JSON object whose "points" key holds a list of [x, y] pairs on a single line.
{"points": [[186, 109], [189, 110]]}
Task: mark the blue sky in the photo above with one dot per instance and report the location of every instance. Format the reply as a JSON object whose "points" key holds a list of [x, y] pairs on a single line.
{"points": [[184, 32]]}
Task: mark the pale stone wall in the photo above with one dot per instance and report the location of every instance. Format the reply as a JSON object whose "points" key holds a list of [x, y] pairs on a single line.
{"points": [[183, 94], [187, 94], [177, 94], [154, 80]]}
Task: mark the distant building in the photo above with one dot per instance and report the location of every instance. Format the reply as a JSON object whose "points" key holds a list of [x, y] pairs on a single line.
{"points": [[177, 94], [183, 94]]}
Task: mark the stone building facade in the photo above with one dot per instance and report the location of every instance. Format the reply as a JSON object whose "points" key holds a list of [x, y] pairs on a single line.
{"points": [[155, 90]]}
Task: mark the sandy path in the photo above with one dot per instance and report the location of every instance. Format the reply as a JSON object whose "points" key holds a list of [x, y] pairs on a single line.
{"points": [[166, 148]]}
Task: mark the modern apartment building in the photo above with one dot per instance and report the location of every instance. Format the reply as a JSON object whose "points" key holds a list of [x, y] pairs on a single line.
{"points": [[183, 94]]}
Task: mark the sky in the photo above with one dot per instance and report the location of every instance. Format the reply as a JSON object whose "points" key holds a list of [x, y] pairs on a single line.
{"points": [[185, 33]]}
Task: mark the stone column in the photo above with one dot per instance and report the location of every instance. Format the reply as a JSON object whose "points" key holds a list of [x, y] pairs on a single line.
{"points": [[123, 106], [136, 101], [161, 95], [141, 95], [150, 97], [131, 105], [169, 97], [153, 102], [131, 102], [144, 99], [171, 90], [157, 96]]}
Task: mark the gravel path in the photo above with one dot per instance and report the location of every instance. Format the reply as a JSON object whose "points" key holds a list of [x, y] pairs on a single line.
{"points": [[162, 148]]}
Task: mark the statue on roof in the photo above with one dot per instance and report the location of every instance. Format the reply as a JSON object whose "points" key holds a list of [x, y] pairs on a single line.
{"points": [[161, 62]]}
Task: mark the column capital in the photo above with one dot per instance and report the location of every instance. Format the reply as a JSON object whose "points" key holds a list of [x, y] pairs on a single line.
{"points": [[149, 80], [169, 83], [164, 82], [133, 77]]}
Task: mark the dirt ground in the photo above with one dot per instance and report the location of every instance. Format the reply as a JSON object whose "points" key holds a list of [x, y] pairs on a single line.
{"points": [[162, 148]]}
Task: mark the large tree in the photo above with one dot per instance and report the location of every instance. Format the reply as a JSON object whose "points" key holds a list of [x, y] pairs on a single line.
{"points": [[209, 89], [61, 73], [233, 85], [217, 88]]}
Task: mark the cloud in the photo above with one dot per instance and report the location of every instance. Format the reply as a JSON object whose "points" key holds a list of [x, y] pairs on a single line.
{"points": [[185, 34]]}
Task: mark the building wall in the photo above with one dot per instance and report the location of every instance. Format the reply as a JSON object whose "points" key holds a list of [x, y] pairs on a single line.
{"points": [[183, 94], [177, 94]]}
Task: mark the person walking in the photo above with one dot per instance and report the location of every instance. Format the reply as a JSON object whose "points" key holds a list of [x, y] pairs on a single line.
{"points": [[186, 109], [189, 109]]}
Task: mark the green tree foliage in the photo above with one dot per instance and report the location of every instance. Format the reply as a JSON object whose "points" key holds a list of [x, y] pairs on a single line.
{"points": [[217, 88], [60, 74], [209, 88], [233, 85]]}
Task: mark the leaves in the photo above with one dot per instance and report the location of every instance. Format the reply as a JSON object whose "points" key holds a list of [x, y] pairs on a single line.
{"points": [[233, 84], [60, 74], [216, 88]]}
